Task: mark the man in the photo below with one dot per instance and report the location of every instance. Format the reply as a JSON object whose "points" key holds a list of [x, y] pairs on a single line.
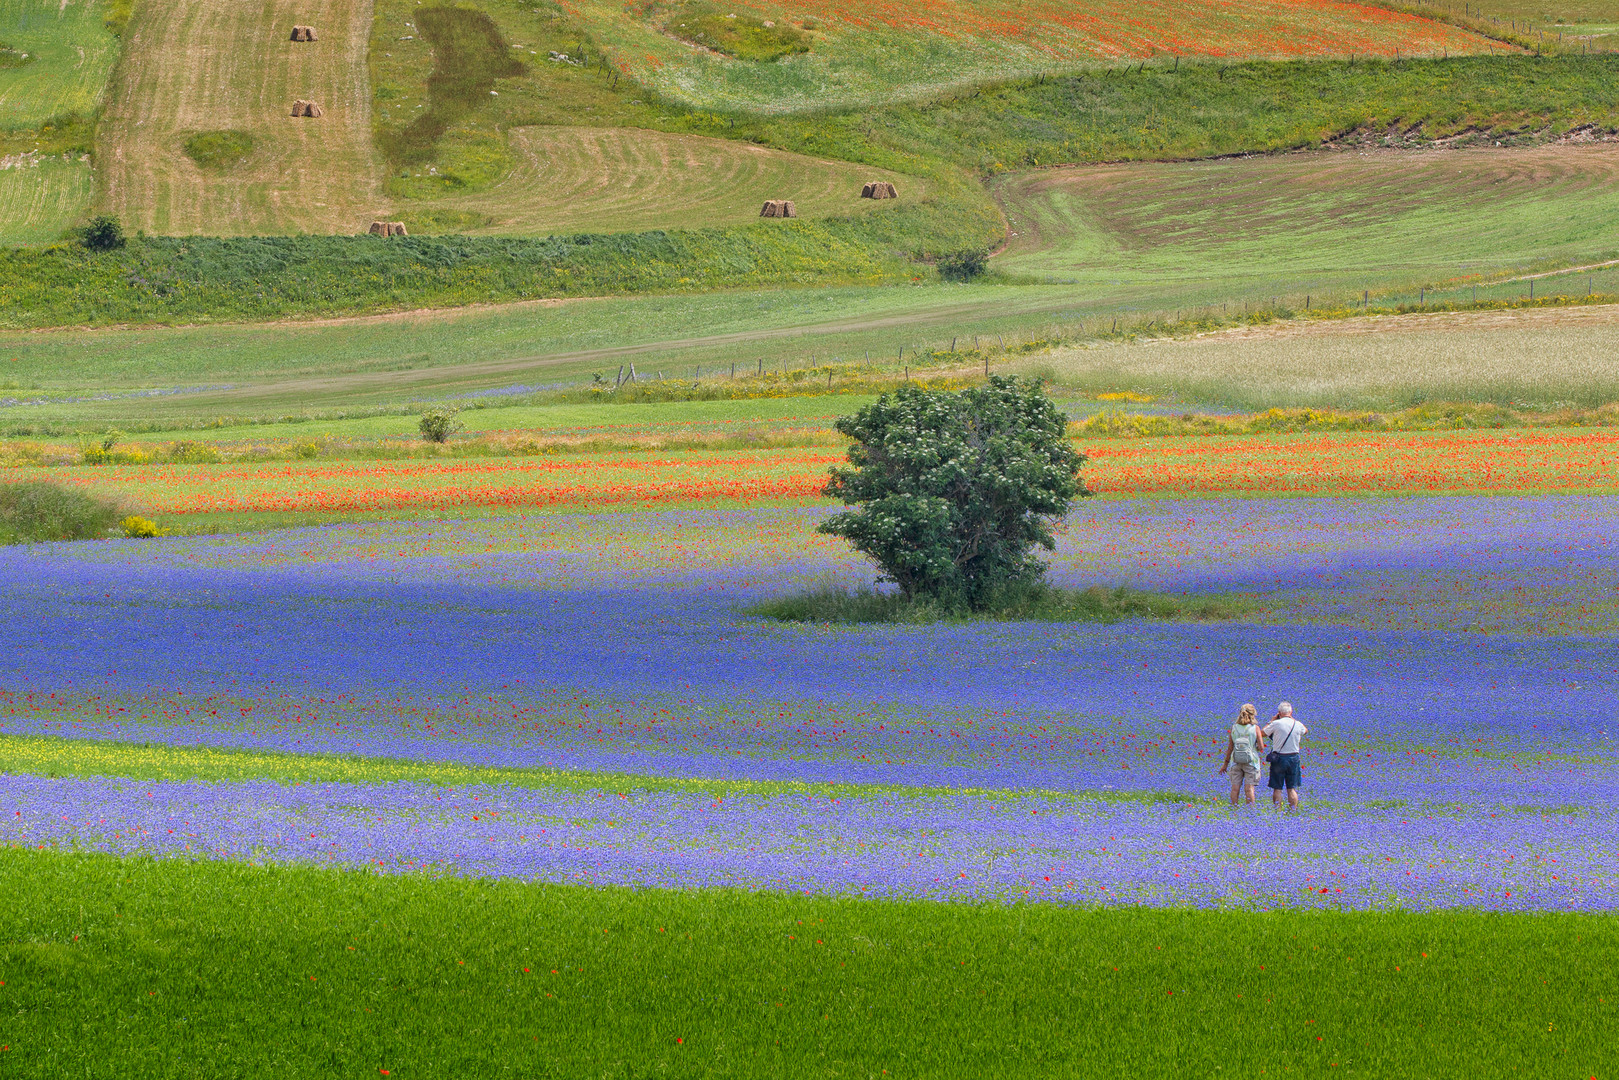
{"points": [[1286, 735]]}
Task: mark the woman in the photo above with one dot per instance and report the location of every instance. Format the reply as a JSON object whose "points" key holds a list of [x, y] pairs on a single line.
{"points": [[1243, 746]]}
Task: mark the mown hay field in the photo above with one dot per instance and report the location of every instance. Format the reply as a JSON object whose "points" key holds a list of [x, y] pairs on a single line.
{"points": [[197, 66], [1544, 357], [60, 56], [624, 179], [42, 197], [868, 53], [1324, 223]]}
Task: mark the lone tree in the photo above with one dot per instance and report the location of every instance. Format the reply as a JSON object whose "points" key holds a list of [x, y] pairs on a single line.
{"points": [[953, 491]]}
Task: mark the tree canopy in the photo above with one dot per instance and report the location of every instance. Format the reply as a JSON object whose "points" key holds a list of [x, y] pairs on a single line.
{"points": [[952, 492]]}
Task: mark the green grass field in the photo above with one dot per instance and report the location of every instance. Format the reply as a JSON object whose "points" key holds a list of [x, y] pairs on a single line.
{"points": [[42, 197], [864, 56], [1332, 224], [176, 969], [62, 55]]}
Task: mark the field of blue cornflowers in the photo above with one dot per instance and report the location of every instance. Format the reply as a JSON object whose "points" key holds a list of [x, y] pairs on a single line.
{"points": [[1454, 659]]}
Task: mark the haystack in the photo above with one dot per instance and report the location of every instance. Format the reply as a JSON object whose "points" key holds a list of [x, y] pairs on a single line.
{"points": [[306, 108], [397, 228], [878, 189], [388, 228], [303, 33], [778, 208]]}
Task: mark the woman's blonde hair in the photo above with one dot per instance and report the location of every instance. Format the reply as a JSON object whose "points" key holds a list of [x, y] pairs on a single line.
{"points": [[1247, 715]]}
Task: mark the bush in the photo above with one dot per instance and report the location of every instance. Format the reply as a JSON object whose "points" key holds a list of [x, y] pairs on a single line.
{"points": [[964, 265], [136, 527], [36, 511], [188, 452], [955, 490], [437, 425], [102, 234]]}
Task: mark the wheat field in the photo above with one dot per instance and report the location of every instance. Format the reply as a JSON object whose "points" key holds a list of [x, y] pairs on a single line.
{"points": [[211, 65], [622, 179]]}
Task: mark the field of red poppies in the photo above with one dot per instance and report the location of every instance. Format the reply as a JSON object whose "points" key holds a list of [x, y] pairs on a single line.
{"points": [[1502, 462]]}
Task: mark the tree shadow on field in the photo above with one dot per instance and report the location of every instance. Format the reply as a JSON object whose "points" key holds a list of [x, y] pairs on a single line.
{"points": [[469, 54]]}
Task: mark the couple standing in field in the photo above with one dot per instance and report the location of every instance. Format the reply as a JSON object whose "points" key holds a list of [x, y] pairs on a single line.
{"points": [[1246, 741]]}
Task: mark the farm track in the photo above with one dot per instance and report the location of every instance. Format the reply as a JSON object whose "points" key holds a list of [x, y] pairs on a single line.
{"points": [[207, 65], [625, 179]]}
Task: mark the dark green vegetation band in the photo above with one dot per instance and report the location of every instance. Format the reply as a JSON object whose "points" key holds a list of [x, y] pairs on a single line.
{"points": [[159, 279], [1206, 110], [179, 969]]}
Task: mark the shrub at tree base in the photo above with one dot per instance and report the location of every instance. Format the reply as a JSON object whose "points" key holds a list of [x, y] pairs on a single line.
{"points": [[955, 490], [36, 512]]}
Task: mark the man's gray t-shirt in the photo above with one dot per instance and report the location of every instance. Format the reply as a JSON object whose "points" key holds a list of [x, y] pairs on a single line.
{"points": [[1292, 737]]}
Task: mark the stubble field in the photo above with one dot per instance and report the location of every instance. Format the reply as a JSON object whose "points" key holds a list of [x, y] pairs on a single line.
{"points": [[621, 180], [201, 66]]}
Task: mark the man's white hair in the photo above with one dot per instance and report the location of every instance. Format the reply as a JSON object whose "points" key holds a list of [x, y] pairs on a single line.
{"points": [[1285, 708]]}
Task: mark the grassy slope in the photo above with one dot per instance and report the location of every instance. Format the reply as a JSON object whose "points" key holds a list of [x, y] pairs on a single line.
{"points": [[1204, 110], [868, 56], [46, 108], [206, 65], [43, 197], [1330, 224], [71, 54], [571, 179], [202, 279], [175, 969]]}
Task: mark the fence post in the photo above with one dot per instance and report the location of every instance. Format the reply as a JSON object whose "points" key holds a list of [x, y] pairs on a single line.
{"points": [[761, 367], [618, 380]]}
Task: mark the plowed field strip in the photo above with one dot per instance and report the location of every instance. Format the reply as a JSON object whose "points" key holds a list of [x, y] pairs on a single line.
{"points": [[208, 65]]}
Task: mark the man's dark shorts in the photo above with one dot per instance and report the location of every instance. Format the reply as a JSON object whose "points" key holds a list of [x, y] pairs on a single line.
{"points": [[1286, 773]]}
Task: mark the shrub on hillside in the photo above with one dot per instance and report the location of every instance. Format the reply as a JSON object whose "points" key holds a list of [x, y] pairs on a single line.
{"points": [[964, 265], [104, 233], [955, 490], [36, 511]]}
